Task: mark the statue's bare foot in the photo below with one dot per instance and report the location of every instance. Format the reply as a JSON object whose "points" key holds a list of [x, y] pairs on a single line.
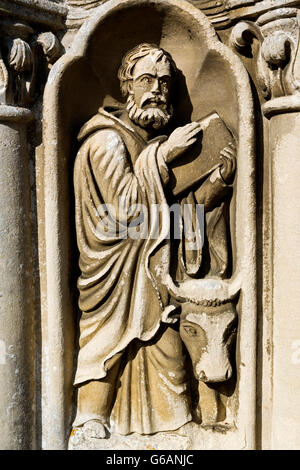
{"points": [[94, 429]]}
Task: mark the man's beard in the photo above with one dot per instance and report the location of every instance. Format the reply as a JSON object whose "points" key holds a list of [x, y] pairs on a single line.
{"points": [[156, 118]]}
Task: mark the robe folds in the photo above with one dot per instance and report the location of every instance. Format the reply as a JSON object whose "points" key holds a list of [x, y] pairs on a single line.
{"points": [[123, 239], [120, 296]]}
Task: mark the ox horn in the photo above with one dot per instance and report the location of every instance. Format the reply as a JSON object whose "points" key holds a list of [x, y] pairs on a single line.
{"points": [[201, 290]]}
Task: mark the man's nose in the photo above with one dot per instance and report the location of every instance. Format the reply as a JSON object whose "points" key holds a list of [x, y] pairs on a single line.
{"points": [[155, 86]]}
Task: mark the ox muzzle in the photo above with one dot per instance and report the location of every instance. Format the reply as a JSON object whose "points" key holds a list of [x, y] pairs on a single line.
{"points": [[209, 334]]}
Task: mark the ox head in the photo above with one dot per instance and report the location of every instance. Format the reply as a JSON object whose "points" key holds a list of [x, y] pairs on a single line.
{"points": [[209, 332]]}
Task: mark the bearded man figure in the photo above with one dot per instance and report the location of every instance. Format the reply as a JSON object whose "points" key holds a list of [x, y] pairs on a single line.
{"points": [[131, 371]]}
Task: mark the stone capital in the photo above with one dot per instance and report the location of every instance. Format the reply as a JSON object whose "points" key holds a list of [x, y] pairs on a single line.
{"points": [[21, 51], [276, 57], [27, 36]]}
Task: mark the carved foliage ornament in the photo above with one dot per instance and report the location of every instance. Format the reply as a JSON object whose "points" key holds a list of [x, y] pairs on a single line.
{"points": [[19, 62], [278, 41]]}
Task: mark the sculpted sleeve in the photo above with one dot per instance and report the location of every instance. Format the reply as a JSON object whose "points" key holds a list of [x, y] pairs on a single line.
{"points": [[212, 190], [115, 178], [120, 297]]}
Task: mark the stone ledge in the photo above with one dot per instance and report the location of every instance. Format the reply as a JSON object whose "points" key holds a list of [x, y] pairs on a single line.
{"points": [[44, 12], [281, 105], [224, 13], [15, 114]]}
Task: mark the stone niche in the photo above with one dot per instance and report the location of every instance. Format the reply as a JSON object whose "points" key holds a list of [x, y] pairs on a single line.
{"points": [[212, 79]]}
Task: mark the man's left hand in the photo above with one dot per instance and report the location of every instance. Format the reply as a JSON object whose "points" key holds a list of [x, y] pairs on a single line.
{"points": [[228, 157]]}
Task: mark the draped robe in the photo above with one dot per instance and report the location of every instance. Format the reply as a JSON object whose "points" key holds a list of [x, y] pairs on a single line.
{"points": [[122, 296]]}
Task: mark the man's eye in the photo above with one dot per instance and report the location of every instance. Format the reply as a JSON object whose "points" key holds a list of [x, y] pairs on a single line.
{"points": [[146, 80], [190, 330]]}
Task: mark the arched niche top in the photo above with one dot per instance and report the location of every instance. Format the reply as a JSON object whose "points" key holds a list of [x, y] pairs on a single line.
{"points": [[209, 72], [78, 84]]}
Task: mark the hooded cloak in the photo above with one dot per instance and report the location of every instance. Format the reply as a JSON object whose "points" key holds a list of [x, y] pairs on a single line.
{"points": [[123, 227]]}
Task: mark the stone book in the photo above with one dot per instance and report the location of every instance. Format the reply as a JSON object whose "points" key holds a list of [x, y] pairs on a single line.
{"points": [[203, 157]]}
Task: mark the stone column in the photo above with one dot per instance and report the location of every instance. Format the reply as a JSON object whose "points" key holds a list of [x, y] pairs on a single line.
{"points": [[22, 56], [16, 312], [277, 79], [285, 163]]}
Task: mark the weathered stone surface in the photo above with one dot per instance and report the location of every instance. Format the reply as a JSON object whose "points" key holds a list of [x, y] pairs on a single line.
{"points": [[274, 39], [22, 52], [188, 437], [46, 12], [17, 408], [237, 391], [85, 50]]}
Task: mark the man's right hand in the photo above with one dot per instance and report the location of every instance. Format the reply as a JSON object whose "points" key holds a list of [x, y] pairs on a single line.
{"points": [[180, 140]]}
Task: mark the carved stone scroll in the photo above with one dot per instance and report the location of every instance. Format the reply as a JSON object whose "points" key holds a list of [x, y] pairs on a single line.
{"points": [[277, 33]]}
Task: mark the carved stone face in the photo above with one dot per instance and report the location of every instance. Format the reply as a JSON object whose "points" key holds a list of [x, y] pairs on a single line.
{"points": [[148, 102], [209, 335], [151, 82]]}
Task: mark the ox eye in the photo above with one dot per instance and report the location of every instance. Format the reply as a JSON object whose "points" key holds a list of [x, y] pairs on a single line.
{"points": [[190, 330]]}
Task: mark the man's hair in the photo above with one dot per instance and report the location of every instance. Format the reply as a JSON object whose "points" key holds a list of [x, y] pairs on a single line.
{"points": [[132, 57]]}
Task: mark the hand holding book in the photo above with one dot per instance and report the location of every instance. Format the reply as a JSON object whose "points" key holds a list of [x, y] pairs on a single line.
{"points": [[180, 140], [209, 149], [228, 157]]}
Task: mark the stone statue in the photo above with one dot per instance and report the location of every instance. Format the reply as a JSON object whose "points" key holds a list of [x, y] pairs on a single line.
{"points": [[131, 371]]}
